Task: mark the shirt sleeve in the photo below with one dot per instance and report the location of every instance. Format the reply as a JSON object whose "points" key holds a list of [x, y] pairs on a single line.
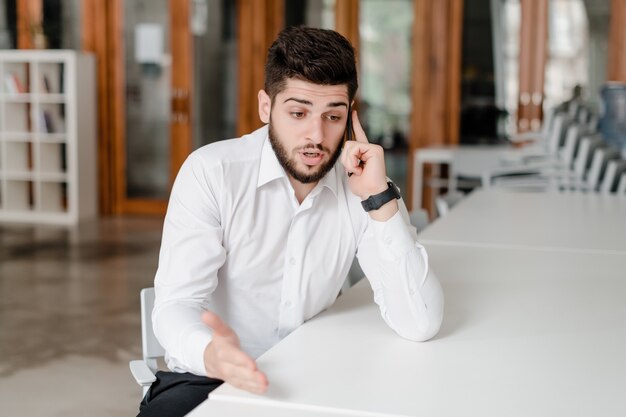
{"points": [[406, 290], [191, 255]]}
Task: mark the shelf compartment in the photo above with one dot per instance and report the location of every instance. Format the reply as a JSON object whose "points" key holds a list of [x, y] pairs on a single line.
{"points": [[16, 117], [52, 197], [51, 78], [51, 118], [21, 195], [15, 78], [18, 157], [52, 158]]}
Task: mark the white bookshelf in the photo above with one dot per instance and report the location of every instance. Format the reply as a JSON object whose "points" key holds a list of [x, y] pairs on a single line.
{"points": [[47, 137]]}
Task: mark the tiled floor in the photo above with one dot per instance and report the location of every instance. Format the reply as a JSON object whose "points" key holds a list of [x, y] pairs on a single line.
{"points": [[69, 316]]}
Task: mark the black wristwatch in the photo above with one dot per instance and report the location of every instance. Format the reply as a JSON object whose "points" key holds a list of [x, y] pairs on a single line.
{"points": [[376, 201]]}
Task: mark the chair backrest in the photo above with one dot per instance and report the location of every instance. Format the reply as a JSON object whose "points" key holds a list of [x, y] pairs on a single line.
{"points": [[554, 138], [569, 149], [419, 219], [444, 203], [583, 155], [601, 158], [621, 186], [612, 173], [151, 347]]}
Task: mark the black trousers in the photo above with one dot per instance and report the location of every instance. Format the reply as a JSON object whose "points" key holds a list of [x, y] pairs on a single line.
{"points": [[174, 394]]}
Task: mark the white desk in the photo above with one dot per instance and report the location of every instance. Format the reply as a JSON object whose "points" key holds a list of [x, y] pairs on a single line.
{"points": [[236, 408], [526, 333], [541, 221]]}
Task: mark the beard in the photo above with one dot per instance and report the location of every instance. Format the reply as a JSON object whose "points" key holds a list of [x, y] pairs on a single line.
{"points": [[289, 163]]}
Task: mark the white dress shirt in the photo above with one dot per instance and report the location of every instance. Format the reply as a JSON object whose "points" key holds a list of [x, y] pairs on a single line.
{"points": [[236, 242]]}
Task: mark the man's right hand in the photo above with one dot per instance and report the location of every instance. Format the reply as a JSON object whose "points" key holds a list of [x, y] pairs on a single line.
{"points": [[224, 359]]}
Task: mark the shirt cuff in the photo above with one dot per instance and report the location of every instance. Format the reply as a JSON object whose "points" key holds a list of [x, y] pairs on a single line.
{"points": [[393, 237], [197, 342]]}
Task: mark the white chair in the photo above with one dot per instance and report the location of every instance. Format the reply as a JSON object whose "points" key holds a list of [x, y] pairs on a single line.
{"points": [[445, 202], [537, 136], [621, 187], [552, 176], [144, 370], [530, 170], [599, 162], [418, 219], [612, 174]]}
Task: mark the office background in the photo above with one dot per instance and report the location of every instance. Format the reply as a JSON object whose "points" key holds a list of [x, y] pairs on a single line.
{"points": [[173, 75]]}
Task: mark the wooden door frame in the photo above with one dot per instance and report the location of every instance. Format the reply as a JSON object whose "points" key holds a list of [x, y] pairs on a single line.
{"points": [[103, 23], [616, 68], [436, 82], [258, 24], [532, 63]]}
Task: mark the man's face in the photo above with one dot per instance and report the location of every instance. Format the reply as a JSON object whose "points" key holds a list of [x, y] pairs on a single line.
{"points": [[306, 126]]}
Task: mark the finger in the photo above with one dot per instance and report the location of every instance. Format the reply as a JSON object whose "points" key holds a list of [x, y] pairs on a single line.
{"points": [[359, 133], [242, 378], [350, 159], [249, 385], [217, 324]]}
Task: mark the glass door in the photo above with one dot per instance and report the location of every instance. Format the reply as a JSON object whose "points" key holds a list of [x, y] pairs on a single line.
{"points": [[180, 89], [148, 79]]}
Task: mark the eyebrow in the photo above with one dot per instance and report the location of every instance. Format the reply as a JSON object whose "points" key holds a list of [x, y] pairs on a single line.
{"points": [[309, 103]]}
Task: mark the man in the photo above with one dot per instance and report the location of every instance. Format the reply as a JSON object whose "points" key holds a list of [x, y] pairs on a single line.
{"points": [[261, 231]]}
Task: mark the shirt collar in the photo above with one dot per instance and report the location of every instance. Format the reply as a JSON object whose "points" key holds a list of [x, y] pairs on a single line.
{"points": [[270, 170]]}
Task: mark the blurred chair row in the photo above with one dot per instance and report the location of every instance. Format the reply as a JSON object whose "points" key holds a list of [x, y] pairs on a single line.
{"points": [[568, 154]]}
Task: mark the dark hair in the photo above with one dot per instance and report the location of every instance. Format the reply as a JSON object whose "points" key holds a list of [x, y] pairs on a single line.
{"points": [[320, 56]]}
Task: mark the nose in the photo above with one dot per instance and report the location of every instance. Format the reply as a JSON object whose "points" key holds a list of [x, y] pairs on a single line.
{"points": [[316, 130]]}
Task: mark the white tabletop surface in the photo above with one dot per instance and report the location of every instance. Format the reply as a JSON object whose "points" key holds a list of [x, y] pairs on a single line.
{"points": [[526, 333], [545, 221], [236, 408]]}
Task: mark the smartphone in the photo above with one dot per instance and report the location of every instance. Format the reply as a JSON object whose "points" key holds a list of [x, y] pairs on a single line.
{"points": [[349, 124], [349, 129]]}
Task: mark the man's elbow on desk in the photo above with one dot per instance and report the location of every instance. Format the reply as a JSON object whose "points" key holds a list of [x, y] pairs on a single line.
{"points": [[427, 320], [422, 333]]}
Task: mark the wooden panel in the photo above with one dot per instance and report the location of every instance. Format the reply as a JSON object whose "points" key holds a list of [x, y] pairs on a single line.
{"points": [[258, 23], [29, 24], [181, 84], [117, 102], [532, 62], [347, 20], [539, 58], [455, 14], [617, 42], [525, 65], [435, 91], [97, 38]]}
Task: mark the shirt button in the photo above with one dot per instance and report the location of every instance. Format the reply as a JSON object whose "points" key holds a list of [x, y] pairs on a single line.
{"points": [[292, 261], [287, 304], [388, 240]]}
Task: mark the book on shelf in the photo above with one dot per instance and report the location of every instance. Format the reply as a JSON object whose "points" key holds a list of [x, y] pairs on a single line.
{"points": [[47, 88], [13, 84], [45, 122]]}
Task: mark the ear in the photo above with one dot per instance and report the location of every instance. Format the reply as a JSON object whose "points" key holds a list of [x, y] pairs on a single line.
{"points": [[265, 106]]}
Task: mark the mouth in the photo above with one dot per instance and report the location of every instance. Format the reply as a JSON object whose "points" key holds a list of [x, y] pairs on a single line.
{"points": [[311, 157]]}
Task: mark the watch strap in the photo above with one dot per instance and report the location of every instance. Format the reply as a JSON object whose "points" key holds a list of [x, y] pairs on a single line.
{"points": [[376, 201]]}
